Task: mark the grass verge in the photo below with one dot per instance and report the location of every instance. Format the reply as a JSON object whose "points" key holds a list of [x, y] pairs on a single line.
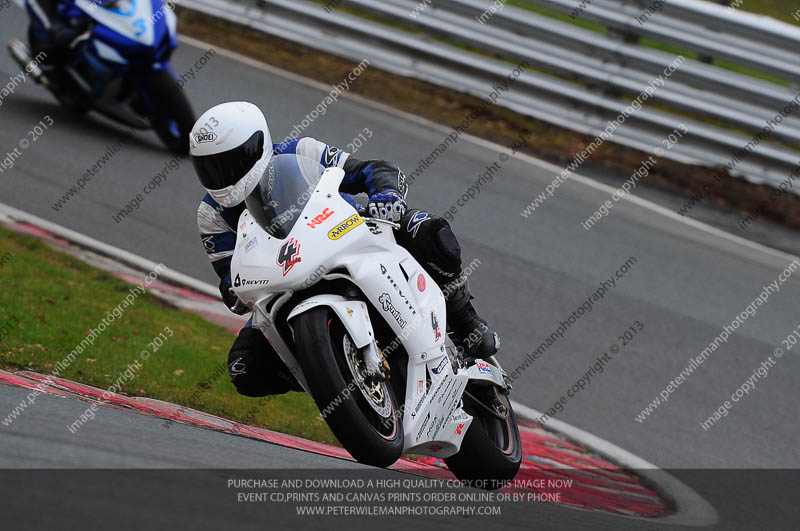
{"points": [[50, 301], [503, 126]]}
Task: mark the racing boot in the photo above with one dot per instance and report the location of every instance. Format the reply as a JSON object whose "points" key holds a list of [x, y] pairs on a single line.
{"points": [[469, 331], [22, 55]]}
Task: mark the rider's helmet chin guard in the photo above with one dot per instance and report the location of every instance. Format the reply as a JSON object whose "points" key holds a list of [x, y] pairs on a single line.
{"points": [[230, 147]]}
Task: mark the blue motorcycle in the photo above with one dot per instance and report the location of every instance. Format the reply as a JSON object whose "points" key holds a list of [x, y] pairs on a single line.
{"points": [[119, 66]]}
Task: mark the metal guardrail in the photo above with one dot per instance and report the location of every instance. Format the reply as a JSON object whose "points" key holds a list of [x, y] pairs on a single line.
{"points": [[582, 79], [758, 42], [610, 55]]}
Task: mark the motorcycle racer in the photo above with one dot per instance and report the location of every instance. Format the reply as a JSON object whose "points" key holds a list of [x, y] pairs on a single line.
{"points": [[54, 24], [49, 31], [230, 148]]}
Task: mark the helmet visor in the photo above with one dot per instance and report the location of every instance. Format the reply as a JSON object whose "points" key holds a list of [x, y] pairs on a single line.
{"points": [[225, 169]]}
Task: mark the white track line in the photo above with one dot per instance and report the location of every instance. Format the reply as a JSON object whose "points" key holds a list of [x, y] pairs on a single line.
{"points": [[554, 169], [591, 442], [10, 213]]}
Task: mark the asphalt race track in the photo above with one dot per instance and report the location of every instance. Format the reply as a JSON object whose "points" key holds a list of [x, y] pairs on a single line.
{"points": [[686, 283]]}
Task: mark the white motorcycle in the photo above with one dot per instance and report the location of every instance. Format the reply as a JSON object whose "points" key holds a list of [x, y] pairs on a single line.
{"points": [[360, 324]]}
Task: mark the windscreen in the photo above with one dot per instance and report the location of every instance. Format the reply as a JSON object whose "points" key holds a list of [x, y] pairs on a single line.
{"points": [[284, 189]]}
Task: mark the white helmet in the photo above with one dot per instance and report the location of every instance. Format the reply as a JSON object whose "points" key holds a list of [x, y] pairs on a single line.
{"points": [[230, 147]]}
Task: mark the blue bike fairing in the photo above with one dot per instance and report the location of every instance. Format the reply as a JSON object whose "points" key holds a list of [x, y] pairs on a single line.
{"points": [[67, 10], [115, 10], [136, 53]]}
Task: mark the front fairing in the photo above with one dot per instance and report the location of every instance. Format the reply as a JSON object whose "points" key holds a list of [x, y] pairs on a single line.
{"points": [[131, 33], [330, 235], [297, 260]]}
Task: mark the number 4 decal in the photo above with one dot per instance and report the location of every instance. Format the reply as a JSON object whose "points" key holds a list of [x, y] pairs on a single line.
{"points": [[289, 255]]}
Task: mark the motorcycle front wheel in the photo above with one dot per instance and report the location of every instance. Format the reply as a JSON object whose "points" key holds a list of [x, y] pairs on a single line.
{"points": [[363, 415], [173, 117]]}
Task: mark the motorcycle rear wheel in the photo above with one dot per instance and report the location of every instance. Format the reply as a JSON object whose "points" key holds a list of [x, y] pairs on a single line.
{"points": [[491, 452], [322, 344]]}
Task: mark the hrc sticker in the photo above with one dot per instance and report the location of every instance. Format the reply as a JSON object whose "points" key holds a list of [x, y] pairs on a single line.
{"points": [[320, 218]]}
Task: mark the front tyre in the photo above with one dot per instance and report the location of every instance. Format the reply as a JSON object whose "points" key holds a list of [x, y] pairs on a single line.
{"points": [[173, 117], [491, 452], [363, 416]]}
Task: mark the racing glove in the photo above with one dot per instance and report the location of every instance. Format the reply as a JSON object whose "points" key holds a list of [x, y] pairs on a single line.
{"points": [[389, 205], [230, 299]]}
